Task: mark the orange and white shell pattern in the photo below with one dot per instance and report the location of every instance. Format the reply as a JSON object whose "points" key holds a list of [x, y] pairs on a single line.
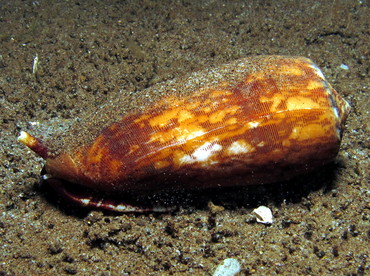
{"points": [[272, 125]]}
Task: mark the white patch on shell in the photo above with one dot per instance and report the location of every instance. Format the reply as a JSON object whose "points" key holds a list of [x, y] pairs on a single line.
{"points": [[119, 207], [261, 144], [85, 201], [253, 124], [336, 113], [202, 154], [23, 136], [317, 71], [295, 132], [338, 131], [239, 147]]}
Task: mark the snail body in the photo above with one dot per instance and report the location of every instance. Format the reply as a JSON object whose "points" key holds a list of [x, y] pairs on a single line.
{"points": [[254, 121]]}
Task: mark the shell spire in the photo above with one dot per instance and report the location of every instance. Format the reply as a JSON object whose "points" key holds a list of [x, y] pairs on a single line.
{"points": [[33, 143]]}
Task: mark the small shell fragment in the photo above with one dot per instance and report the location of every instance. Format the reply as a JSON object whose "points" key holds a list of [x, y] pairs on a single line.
{"points": [[229, 267], [264, 215], [344, 66]]}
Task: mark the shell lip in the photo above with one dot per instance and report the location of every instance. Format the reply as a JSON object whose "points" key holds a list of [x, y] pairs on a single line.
{"points": [[62, 167], [82, 196]]}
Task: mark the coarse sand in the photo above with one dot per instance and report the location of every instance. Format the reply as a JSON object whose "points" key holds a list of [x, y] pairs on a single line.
{"points": [[62, 59]]}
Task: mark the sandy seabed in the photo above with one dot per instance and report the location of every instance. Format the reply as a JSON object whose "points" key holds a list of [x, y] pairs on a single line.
{"points": [[91, 51]]}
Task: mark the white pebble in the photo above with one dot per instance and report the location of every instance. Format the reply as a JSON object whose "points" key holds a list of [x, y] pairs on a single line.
{"points": [[264, 215], [344, 67], [228, 268]]}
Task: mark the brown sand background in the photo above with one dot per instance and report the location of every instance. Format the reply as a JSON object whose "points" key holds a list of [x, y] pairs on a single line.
{"points": [[92, 51]]}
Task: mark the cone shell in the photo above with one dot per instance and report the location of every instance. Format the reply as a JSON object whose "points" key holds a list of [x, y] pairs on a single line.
{"points": [[257, 120]]}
